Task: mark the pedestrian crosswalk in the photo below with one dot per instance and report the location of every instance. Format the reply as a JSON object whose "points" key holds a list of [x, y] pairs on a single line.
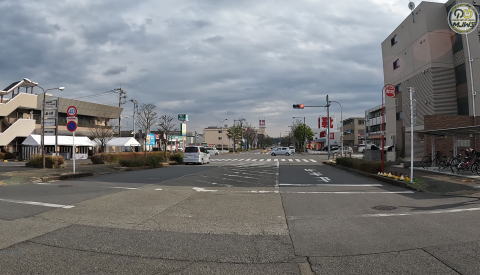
{"points": [[296, 160]]}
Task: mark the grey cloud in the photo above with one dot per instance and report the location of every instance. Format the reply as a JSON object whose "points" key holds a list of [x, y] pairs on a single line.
{"points": [[115, 70]]}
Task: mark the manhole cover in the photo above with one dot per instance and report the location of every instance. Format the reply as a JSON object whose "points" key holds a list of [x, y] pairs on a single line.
{"points": [[384, 207], [64, 185]]}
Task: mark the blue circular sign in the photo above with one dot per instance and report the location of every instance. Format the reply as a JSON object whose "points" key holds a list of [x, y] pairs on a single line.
{"points": [[72, 126]]}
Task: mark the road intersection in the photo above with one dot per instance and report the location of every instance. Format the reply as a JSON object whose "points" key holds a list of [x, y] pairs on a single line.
{"points": [[244, 216]]}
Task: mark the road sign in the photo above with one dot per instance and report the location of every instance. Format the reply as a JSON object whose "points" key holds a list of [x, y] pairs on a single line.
{"points": [[72, 118], [183, 117], [51, 104], [72, 111], [50, 132], [389, 90], [50, 122], [72, 126]]}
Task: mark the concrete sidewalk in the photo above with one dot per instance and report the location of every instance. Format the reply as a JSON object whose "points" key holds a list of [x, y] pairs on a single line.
{"points": [[21, 175], [442, 184]]}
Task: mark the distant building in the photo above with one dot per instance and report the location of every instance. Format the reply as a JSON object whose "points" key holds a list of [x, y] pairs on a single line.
{"points": [[20, 117], [423, 53], [217, 137], [373, 125], [353, 131]]}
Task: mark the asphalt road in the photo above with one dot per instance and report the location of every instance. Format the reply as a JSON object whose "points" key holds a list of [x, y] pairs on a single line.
{"points": [[235, 216]]}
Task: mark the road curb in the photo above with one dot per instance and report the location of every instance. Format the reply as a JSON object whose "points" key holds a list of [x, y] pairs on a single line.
{"points": [[377, 177], [67, 176]]}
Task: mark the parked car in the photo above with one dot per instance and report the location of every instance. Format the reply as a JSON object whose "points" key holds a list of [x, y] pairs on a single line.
{"points": [[292, 149], [361, 148], [196, 154], [281, 151], [212, 151]]}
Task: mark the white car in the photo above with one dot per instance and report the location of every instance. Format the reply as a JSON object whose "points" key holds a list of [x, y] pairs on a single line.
{"points": [[292, 149], [281, 151], [212, 151], [196, 154]]}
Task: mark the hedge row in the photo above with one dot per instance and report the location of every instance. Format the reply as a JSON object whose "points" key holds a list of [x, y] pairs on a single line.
{"points": [[136, 159], [6, 155], [50, 161], [360, 164]]}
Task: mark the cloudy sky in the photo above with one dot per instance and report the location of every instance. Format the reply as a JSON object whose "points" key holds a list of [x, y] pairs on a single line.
{"points": [[212, 59]]}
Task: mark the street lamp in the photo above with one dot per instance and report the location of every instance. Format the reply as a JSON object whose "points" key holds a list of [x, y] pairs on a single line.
{"points": [[44, 92], [304, 133], [221, 131]]}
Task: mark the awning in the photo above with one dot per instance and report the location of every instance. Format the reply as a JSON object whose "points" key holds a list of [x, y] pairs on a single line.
{"points": [[35, 140], [123, 142], [457, 131]]}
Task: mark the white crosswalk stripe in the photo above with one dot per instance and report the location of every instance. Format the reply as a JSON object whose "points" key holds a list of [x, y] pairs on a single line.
{"points": [[271, 161]]}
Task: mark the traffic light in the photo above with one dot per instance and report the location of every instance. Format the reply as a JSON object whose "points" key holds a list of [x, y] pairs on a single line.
{"points": [[298, 106]]}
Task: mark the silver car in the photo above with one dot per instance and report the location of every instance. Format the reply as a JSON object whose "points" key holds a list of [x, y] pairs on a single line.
{"points": [[281, 151]]}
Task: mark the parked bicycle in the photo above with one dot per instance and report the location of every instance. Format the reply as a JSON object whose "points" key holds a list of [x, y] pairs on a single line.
{"points": [[438, 161]]}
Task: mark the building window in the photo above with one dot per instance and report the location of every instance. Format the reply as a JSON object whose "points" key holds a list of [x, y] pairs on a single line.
{"points": [[219, 138], [396, 64], [394, 40], [220, 131]]}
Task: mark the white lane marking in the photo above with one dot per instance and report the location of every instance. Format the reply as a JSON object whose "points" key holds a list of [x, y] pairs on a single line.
{"points": [[355, 192], [240, 160], [283, 159], [199, 189], [305, 160], [312, 160], [244, 177], [159, 189], [290, 160], [254, 159], [53, 205], [423, 212], [325, 179], [275, 160], [262, 159], [297, 160], [269, 159], [247, 160], [126, 188], [331, 184]]}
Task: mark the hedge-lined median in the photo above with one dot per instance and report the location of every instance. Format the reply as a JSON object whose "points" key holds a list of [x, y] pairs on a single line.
{"points": [[360, 164], [50, 161], [136, 159]]}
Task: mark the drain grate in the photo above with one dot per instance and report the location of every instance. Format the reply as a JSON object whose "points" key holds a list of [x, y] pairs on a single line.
{"points": [[384, 207]]}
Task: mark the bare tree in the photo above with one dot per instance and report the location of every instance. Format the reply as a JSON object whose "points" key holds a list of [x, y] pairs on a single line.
{"points": [[147, 117], [167, 126], [101, 135]]}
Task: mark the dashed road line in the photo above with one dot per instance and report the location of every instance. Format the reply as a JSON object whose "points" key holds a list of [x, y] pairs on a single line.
{"points": [[53, 205]]}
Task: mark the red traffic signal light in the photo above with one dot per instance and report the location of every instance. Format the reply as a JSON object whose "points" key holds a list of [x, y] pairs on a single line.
{"points": [[298, 106]]}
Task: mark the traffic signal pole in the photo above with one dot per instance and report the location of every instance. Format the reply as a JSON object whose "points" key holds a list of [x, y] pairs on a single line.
{"points": [[328, 126]]}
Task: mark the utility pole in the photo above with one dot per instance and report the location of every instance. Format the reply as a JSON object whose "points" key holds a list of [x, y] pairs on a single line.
{"points": [[122, 96], [411, 90], [328, 126], [135, 109]]}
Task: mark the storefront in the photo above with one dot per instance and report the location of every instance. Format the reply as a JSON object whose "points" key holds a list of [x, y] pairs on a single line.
{"points": [[32, 145]]}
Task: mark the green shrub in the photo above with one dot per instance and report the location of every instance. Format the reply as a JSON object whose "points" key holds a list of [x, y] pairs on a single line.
{"points": [[360, 164], [177, 157], [50, 161], [136, 162], [154, 160], [97, 159]]}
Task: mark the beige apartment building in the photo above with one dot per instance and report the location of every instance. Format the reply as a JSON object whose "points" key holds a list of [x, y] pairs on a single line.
{"points": [[21, 112], [216, 137], [353, 131], [423, 53]]}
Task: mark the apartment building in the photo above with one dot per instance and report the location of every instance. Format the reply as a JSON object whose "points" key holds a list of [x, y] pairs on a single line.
{"points": [[217, 137], [423, 53], [21, 112], [353, 131], [373, 126]]}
